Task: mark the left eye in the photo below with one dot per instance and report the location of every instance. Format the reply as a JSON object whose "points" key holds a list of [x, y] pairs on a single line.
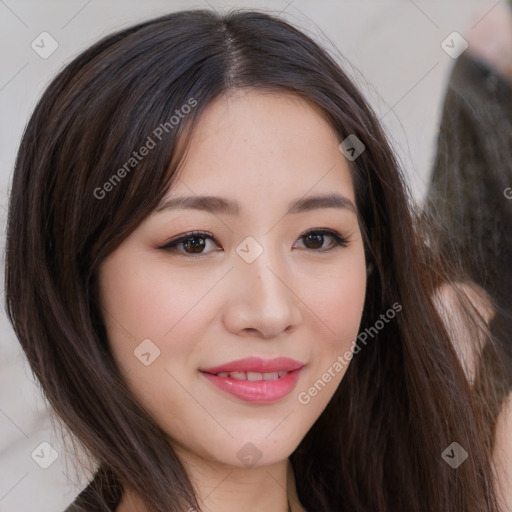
{"points": [[314, 239], [193, 243]]}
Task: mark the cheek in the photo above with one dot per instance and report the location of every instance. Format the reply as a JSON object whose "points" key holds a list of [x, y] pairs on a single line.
{"points": [[336, 299], [149, 301], [175, 310], [337, 302], [153, 302]]}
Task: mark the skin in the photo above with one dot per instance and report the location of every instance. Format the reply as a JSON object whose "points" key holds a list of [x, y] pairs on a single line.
{"points": [[296, 299], [449, 301], [503, 455]]}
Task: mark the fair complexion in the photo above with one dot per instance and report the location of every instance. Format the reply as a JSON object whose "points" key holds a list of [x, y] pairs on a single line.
{"points": [[502, 455], [204, 305]]}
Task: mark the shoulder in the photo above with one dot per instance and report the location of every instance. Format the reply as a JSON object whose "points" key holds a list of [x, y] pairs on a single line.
{"points": [[454, 297], [503, 455], [466, 310]]}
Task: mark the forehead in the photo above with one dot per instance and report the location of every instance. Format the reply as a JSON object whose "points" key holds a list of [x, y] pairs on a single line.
{"points": [[257, 144]]}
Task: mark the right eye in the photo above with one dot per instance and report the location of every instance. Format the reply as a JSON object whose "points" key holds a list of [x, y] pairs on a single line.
{"points": [[189, 244]]}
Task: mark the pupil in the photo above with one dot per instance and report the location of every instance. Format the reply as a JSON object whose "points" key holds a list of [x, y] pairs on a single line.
{"points": [[316, 239], [195, 243]]}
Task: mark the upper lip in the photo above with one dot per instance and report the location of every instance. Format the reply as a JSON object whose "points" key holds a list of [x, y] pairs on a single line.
{"points": [[257, 364]]}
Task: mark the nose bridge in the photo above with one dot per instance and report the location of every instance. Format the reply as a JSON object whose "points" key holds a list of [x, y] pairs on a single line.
{"points": [[260, 275], [263, 301]]}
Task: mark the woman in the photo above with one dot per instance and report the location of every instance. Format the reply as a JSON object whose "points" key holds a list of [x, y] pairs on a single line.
{"points": [[203, 204]]}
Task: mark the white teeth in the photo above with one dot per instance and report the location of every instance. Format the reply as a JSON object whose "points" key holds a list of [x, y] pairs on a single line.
{"points": [[238, 375], [253, 376]]}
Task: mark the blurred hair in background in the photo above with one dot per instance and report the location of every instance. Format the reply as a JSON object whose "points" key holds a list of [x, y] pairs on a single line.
{"points": [[467, 216]]}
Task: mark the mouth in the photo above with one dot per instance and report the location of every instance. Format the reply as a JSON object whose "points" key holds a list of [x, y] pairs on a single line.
{"points": [[253, 376], [256, 380], [256, 365]]}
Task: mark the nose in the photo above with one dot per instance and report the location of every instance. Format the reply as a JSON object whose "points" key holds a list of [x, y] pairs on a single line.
{"points": [[262, 300]]}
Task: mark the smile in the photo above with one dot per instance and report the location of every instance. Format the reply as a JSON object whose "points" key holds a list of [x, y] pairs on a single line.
{"points": [[256, 380], [253, 376]]}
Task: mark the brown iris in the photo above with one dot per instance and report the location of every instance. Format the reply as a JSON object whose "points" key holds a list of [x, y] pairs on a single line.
{"points": [[316, 239], [194, 244]]}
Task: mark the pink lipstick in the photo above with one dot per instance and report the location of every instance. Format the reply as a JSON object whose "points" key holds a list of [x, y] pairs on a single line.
{"points": [[256, 380]]}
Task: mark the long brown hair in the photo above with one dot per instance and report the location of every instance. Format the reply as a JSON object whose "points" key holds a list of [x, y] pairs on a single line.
{"points": [[404, 398], [467, 216]]}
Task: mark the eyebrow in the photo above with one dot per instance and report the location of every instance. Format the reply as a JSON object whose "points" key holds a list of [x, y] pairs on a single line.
{"points": [[220, 205]]}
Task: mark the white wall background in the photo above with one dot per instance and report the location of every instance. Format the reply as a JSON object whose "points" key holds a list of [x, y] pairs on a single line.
{"points": [[395, 49]]}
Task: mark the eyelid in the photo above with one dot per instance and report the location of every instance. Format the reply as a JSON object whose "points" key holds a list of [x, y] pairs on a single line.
{"points": [[185, 236], [340, 241]]}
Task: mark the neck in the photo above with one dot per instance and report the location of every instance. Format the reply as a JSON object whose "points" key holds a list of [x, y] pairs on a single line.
{"points": [[222, 488]]}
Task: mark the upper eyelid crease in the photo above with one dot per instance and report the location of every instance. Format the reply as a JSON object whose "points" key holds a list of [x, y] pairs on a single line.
{"points": [[215, 204], [340, 240]]}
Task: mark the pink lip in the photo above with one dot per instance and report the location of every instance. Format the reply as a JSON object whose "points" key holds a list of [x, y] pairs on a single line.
{"points": [[256, 364], [264, 391]]}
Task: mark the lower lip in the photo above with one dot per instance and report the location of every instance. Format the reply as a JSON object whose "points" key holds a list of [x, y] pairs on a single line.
{"points": [[259, 391]]}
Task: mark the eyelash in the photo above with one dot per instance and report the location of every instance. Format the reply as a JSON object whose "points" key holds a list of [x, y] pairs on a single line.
{"points": [[171, 245]]}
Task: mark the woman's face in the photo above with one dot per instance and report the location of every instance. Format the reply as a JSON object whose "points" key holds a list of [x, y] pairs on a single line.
{"points": [[267, 280]]}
